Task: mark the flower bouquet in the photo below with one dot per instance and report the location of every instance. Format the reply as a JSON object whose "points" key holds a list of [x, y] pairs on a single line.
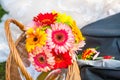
{"points": [[51, 41]]}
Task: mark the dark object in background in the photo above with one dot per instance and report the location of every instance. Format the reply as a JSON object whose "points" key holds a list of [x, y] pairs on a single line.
{"points": [[97, 73], [104, 34]]}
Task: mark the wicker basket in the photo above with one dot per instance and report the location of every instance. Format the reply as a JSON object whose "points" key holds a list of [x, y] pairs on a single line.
{"points": [[18, 57]]}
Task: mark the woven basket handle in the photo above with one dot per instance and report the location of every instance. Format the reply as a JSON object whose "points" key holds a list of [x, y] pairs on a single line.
{"points": [[13, 49]]}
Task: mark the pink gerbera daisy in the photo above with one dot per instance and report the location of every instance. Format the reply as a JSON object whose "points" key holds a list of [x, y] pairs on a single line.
{"points": [[60, 37], [43, 61]]}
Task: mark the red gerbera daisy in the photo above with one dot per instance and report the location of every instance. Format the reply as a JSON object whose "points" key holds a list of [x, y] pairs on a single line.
{"points": [[45, 19], [62, 60]]}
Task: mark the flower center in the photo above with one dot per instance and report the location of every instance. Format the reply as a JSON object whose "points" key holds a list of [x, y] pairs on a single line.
{"points": [[58, 58], [35, 39], [41, 59], [59, 37], [46, 20]]}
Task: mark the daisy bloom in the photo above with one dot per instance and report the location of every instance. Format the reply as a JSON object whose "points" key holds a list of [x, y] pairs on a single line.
{"points": [[35, 38], [62, 60], [63, 18], [45, 19], [43, 61], [77, 33], [60, 37], [90, 54]]}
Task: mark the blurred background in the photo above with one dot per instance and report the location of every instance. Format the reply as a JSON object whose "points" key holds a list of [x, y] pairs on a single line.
{"points": [[83, 11], [2, 64]]}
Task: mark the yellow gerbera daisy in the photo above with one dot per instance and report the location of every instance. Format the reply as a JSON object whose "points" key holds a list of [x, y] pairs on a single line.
{"points": [[77, 33], [63, 18], [35, 38]]}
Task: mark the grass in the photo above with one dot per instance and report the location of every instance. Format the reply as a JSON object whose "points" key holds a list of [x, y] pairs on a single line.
{"points": [[2, 71], [2, 65]]}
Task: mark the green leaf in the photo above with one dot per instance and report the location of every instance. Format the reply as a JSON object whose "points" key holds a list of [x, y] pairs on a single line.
{"points": [[42, 75], [45, 27], [79, 56], [2, 12]]}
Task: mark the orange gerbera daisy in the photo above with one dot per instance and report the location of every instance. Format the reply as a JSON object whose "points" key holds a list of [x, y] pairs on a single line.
{"points": [[45, 19], [90, 54]]}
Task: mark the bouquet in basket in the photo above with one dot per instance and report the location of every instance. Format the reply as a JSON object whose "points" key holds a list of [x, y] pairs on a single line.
{"points": [[52, 41]]}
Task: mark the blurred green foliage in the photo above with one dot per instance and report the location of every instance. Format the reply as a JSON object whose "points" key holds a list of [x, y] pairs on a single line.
{"points": [[2, 71], [2, 65], [2, 12]]}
